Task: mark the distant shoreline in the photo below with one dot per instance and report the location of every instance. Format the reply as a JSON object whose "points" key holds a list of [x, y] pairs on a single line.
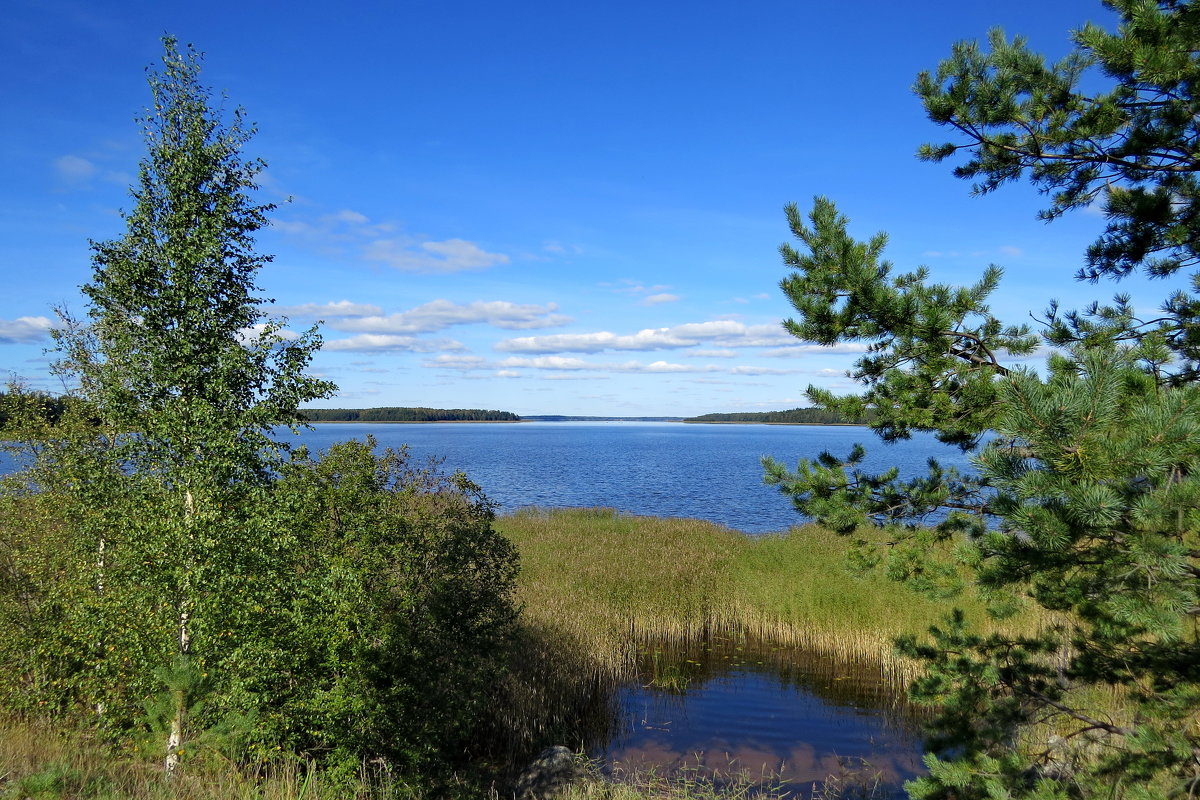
{"points": [[577, 419], [414, 421], [763, 422]]}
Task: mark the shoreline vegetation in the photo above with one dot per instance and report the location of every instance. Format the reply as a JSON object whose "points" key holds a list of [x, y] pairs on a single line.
{"points": [[611, 582], [795, 416], [597, 589], [405, 414]]}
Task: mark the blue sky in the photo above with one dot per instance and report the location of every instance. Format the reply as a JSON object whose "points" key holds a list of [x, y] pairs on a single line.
{"points": [[542, 207]]}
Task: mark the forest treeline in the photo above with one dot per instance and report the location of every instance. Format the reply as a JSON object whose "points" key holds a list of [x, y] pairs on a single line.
{"points": [[796, 416], [397, 414], [47, 406]]}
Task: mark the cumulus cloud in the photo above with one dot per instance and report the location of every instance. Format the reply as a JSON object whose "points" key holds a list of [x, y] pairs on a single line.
{"points": [[718, 333], [440, 314], [451, 255], [23, 330], [377, 342]]}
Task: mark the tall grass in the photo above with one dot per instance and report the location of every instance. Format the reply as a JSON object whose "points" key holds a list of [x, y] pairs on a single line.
{"points": [[39, 760], [609, 582]]}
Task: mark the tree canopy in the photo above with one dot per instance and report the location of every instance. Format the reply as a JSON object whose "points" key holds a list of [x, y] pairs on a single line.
{"points": [[1086, 497]]}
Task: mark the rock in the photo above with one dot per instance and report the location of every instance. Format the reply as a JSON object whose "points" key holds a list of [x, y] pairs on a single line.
{"points": [[554, 769]]}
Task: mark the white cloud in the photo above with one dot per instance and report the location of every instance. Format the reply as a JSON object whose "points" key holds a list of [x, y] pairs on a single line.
{"points": [[713, 354], [24, 329], [256, 332], [655, 299], [451, 255], [294, 227], [627, 286], [350, 228], [546, 362], [74, 169], [440, 314], [560, 249], [341, 308], [349, 216], [721, 333], [800, 350], [373, 342], [566, 364], [460, 362]]}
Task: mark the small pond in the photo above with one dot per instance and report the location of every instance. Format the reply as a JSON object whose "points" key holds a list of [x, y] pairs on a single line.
{"points": [[777, 715]]}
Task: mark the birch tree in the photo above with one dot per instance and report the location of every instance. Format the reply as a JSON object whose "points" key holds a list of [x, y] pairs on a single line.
{"points": [[184, 375]]}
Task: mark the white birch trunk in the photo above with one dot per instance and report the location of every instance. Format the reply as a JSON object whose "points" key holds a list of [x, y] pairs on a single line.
{"points": [[175, 735], [100, 593]]}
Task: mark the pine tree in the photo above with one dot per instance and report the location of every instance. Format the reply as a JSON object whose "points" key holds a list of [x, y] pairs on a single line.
{"points": [[1086, 500]]}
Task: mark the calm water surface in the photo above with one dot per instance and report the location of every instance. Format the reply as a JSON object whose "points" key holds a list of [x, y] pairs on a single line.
{"points": [[766, 712], [710, 472]]}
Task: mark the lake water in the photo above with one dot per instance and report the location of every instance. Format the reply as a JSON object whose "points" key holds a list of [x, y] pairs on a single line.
{"points": [[782, 716], [710, 472]]}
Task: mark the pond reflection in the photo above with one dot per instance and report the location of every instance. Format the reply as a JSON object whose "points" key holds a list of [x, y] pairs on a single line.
{"points": [[775, 714]]}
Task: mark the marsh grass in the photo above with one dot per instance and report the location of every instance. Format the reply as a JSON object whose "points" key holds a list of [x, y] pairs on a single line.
{"points": [[610, 583]]}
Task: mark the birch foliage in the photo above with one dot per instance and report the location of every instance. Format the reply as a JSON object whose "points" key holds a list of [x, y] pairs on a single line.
{"points": [[181, 380], [172, 573]]}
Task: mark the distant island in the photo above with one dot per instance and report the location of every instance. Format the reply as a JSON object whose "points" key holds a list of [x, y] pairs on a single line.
{"points": [[796, 416], [397, 414], [568, 418]]}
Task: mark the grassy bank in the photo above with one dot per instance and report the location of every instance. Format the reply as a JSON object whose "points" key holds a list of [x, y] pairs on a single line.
{"points": [[42, 761], [609, 581]]}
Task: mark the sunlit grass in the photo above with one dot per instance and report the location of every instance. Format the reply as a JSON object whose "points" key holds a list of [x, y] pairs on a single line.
{"points": [[42, 761], [609, 581]]}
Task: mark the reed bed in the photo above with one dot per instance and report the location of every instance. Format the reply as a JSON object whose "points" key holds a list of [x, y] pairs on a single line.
{"points": [[609, 583]]}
